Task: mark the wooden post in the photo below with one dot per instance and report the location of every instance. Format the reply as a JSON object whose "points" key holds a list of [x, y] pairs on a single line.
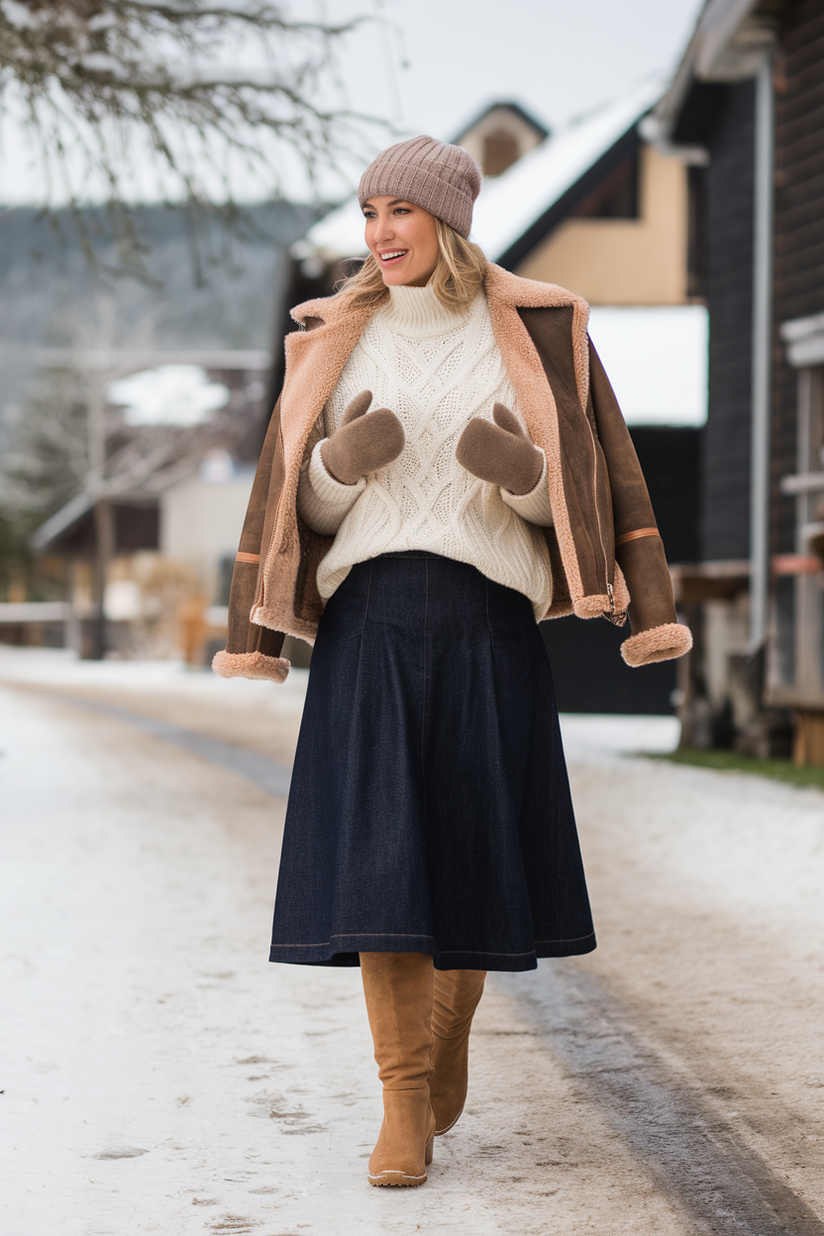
{"points": [[104, 545], [193, 629], [809, 738]]}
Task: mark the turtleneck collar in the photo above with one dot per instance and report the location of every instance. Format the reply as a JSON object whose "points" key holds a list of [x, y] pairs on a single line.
{"points": [[417, 311]]}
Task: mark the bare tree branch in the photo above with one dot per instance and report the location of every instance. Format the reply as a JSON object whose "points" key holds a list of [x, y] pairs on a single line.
{"points": [[95, 80]]}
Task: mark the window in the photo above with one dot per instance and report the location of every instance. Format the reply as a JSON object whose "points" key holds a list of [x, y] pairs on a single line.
{"points": [[616, 197], [798, 656], [500, 151]]}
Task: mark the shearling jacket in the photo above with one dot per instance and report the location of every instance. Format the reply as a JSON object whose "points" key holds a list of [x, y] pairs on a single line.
{"points": [[606, 554]]}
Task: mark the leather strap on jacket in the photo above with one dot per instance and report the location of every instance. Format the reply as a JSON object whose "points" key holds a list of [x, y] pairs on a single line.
{"points": [[634, 535], [242, 556]]}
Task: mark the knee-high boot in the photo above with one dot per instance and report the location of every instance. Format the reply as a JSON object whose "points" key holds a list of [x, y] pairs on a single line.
{"points": [[457, 993], [399, 993]]}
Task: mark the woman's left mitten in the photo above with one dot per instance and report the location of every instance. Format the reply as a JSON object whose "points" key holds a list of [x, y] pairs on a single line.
{"points": [[501, 454]]}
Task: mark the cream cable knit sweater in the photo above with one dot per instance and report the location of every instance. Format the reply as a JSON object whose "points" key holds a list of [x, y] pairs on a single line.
{"points": [[435, 370]]}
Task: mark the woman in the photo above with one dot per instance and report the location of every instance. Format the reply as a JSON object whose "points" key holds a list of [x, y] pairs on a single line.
{"points": [[445, 466]]}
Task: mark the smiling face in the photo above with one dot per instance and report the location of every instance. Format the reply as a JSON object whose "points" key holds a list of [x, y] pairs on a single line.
{"points": [[403, 239]]}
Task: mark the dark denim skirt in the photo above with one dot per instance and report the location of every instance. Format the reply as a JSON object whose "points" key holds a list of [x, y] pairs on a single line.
{"points": [[429, 810]]}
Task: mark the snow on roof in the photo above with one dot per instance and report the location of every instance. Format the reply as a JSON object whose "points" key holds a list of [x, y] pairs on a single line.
{"points": [[338, 235], [509, 203]]}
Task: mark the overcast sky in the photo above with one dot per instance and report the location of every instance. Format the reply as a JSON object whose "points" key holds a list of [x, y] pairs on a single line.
{"points": [[429, 66], [435, 63]]}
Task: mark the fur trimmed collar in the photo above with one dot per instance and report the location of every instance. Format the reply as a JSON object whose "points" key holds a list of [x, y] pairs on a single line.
{"points": [[315, 359], [500, 285]]}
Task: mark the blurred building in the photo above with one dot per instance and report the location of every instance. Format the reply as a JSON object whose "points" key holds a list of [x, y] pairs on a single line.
{"points": [[175, 509], [598, 208], [499, 135], [175, 480], [750, 93]]}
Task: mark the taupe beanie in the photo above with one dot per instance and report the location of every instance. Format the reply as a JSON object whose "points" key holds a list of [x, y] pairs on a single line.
{"points": [[444, 179]]}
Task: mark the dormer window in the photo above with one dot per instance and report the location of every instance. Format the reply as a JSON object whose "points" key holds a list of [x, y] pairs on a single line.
{"points": [[500, 151], [501, 135]]}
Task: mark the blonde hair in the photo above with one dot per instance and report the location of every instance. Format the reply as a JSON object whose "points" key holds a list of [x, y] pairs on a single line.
{"points": [[456, 280]]}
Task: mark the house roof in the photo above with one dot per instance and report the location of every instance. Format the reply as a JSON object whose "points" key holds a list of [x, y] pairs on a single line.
{"points": [[507, 105], [728, 43], [72, 527], [512, 203]]}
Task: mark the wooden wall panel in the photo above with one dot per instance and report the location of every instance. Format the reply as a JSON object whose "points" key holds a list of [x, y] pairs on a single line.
{"points": [[728, 189], [799, 223]]}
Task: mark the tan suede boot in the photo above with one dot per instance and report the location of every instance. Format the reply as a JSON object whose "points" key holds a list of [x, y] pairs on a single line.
{"points": [[457, 994], [399, 993]]}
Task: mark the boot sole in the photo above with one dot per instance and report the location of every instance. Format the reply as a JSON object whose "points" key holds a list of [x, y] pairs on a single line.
{"points": [[403, 1179], [397, 1179]]}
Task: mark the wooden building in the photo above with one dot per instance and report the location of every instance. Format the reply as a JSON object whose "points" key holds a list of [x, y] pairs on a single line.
{"points": [[145, 544], [499, 135], [173, 523], [750, 92]]}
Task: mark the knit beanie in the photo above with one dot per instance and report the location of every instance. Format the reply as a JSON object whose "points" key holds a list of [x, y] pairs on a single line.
{"points": [[444, 179]]}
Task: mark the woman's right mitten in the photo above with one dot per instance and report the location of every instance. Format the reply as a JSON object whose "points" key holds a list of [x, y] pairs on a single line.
{"points": [[500, 453], [362, 444]]}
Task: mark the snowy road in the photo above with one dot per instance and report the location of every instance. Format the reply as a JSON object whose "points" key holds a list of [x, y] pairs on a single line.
{"points": [[160, 1076]]}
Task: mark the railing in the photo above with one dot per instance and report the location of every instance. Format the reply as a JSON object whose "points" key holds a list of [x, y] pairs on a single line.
{"points": [[34, 611], [802, 483]]}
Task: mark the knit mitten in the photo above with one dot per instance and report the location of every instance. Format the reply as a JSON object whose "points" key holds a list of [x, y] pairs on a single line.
{"points": [[362, 444], [501, 453]]}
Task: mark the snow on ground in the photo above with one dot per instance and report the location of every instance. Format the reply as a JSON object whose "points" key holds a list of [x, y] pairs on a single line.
{"points": [[257, 715], [264, 716], [161, 1076]]}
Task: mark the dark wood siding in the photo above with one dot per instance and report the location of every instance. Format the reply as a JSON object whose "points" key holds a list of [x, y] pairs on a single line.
{"points": [[799, 224], [590, 675], [669, 456], [724, 525]]}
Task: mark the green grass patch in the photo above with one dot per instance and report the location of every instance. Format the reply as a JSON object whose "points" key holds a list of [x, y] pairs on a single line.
{"points": [[732, 761]]}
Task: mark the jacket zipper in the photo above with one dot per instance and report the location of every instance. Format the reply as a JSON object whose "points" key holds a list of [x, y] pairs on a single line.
{"points": [[610, 590]]}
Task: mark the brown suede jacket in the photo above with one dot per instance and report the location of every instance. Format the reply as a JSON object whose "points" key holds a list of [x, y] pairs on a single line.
{"points": [[604, 545]]}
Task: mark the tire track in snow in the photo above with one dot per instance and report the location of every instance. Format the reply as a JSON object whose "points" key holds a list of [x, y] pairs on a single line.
{"points": [[263, 771], [698, 1159]]}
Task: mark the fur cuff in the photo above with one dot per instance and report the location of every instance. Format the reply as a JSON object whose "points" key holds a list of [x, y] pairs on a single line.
{"points": [[250, 665], [599, 607], [591, 607], [663, 643]]}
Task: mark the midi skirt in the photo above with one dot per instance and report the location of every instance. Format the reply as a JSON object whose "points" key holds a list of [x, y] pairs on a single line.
{"points": [[429, 809]]}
